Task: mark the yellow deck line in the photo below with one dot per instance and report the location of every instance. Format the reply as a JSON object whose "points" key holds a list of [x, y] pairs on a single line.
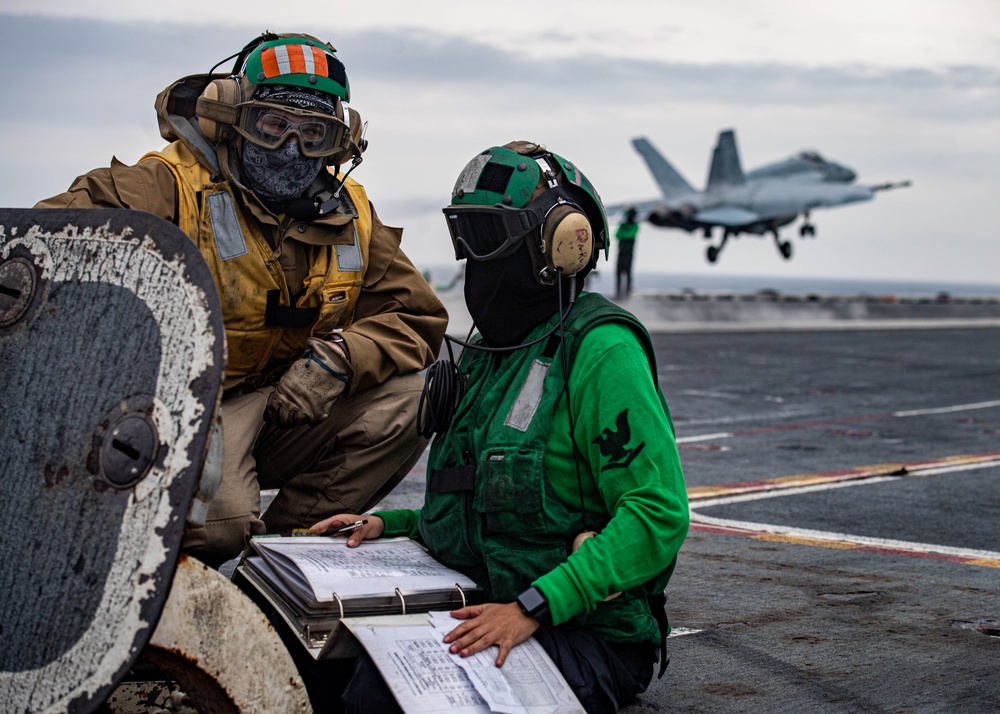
{"points": [[699, 493]]}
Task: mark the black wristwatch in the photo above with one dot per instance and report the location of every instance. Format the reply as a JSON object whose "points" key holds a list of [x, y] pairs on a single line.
{"points": [[533, 604]]}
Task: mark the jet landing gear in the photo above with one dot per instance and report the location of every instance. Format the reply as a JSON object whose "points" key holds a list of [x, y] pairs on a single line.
{"points": [[713, 250], [807, 229], [784, 247]]}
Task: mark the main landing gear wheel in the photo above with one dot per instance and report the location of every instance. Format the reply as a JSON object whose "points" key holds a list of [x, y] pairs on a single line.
{"points": [[713, 251], [783, 246]]}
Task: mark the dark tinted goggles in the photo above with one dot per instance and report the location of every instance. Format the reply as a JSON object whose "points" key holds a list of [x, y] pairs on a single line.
{"points": [[489, 232], [270, 126]]}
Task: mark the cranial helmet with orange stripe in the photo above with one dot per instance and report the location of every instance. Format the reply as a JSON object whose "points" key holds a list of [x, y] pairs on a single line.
{"points": [[301, 76]]}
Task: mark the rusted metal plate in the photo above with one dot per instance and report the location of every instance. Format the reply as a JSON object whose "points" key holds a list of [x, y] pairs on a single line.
{"points": [[111, 364], [220, 650]]}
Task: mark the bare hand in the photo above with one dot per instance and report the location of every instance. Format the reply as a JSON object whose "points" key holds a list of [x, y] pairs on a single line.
{"points": [[490, 624], [369, 531]]}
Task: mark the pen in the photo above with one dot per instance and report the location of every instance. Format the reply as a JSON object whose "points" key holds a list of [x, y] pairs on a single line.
{"points": [[345, 529]]}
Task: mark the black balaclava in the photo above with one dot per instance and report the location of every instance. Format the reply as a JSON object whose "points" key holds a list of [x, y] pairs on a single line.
{"points": [[504, 299]]}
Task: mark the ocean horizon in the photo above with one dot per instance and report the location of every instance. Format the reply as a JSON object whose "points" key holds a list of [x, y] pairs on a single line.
{"points": [[447, 277]]}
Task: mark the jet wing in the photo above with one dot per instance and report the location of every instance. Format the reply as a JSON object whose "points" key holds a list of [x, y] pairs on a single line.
{"points": [[729, 216], [615, 211]]}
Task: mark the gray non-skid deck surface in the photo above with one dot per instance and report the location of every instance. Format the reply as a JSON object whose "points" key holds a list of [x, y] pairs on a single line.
{"points": [[786, 627]]}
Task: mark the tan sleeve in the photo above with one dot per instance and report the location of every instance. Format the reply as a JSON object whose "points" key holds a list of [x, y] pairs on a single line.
{"points": [[398, 322], [148, 186]]}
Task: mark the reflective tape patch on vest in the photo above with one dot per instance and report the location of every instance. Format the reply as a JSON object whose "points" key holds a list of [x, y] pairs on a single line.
{"points": [[229, 240], [349, 256], [522, 411]]}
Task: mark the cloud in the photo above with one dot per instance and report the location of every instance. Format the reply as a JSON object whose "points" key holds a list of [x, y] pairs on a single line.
{"points": [[83, 90], [422, 57], [90, 56]]}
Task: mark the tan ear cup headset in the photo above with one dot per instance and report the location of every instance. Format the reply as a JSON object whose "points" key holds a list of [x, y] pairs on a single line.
{"points": [[567, 238], [354, 142], [217, 109]]}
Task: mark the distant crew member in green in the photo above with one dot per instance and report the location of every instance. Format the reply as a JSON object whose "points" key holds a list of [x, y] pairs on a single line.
{"points": [[626, 234]]}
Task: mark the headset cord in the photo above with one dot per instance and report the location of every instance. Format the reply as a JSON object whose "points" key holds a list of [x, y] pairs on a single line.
{"points": [[569, 407], [444, 384], [444, 387]]}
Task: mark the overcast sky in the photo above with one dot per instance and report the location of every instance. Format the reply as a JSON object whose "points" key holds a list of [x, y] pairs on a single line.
{"points": [[896, 89]]}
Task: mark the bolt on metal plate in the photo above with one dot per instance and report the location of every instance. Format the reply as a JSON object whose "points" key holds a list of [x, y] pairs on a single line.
{"points": [[129, 450], [17, 287], [126, 444]]}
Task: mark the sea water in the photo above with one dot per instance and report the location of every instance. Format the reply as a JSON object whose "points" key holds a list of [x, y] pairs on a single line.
{"points": [[449, 277]]}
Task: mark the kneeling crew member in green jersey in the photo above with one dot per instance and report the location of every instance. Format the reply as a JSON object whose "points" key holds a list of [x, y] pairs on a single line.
{"points": [[554, 479]]}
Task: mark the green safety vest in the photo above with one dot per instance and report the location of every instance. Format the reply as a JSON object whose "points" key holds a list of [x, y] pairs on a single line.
{"points": [[489, 509], [627, 231]]}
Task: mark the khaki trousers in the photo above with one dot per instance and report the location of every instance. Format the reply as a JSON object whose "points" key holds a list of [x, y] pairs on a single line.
{"points": [[346, 464]]}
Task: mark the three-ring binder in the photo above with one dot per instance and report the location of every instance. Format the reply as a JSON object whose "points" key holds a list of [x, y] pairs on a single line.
{"points": [[340, 604]]}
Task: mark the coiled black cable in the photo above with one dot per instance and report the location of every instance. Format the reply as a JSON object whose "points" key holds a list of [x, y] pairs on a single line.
{"points": [[444, 384], [444, 387]]}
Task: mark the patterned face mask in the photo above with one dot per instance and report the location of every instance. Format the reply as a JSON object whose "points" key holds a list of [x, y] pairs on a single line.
{"points": [[278, 174]]}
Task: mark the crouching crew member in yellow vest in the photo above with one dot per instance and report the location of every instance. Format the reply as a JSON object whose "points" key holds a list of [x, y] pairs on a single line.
{"points": [[555, 483], [327, 322]]}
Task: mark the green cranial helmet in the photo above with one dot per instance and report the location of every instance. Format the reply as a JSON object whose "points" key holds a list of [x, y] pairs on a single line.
{"points": [[508, 191], [298, 61]]}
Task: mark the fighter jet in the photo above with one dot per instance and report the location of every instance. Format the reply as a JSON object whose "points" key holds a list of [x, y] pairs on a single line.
{"points": [[759, 202]]}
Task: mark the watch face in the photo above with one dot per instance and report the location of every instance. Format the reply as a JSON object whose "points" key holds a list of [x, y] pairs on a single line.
{"points": [[532, 601]]}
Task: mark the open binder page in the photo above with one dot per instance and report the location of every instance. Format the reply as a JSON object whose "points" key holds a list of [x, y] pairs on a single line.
{"points": [[528, 683], [424, 677], [324, 569]]}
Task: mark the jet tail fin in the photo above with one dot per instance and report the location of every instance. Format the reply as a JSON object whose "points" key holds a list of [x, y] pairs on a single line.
{"points": [[671, 183], [726, 169]]}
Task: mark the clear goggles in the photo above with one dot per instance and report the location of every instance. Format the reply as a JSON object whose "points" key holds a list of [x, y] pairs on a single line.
{"points": [[491, 232], [270, 125]]}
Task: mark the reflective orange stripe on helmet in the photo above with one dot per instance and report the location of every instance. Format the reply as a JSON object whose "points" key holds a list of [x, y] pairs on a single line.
{"points": [[293, 59]]}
